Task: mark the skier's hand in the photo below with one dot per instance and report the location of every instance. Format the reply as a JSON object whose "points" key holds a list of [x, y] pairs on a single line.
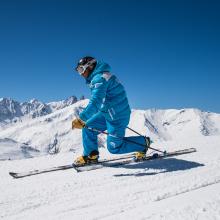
{"points": [[78, 123]]}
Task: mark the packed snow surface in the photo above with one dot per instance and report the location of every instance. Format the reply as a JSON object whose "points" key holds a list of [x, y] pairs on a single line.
{"points": [[181, 187]]}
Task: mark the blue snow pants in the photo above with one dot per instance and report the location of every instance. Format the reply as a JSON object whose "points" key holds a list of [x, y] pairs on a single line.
{"points": [[115, 127]]}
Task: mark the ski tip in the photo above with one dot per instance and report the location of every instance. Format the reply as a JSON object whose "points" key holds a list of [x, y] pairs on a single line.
{"points": [[12, 174]]}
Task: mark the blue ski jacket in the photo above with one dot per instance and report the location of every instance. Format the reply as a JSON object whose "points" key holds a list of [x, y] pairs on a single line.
{"points": [[108, 95]]}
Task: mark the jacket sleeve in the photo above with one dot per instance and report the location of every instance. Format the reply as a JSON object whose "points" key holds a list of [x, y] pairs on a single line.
{"points": [[99, 87]]}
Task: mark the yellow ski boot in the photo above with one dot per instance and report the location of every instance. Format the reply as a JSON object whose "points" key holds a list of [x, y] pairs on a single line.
{"points": [[90, 159], [141, 155]]}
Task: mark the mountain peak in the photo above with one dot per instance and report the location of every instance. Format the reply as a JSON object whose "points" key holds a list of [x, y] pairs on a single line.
{"points": [[11, 109], [32, 101]]}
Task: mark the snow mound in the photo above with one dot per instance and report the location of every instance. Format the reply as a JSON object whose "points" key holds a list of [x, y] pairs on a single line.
{"points": [[11, 150]]}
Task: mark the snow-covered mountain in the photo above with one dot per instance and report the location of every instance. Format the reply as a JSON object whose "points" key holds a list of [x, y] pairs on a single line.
{"points": [[11, 110], [46, 128], [185, 187]]}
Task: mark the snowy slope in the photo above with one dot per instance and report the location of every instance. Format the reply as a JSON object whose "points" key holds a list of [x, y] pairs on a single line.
{"points": [[186, 187], [11, 149], [47, 132]]}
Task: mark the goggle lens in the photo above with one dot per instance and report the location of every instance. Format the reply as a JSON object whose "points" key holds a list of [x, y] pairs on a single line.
{"points": [[80, 69]]}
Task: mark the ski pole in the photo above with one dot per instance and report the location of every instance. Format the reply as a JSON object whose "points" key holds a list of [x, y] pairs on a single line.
{"points": [[123, 138], [135, 131], [138, 133]]}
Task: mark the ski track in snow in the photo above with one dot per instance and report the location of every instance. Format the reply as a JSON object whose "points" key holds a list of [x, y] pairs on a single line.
{"points": [[166, 196]]}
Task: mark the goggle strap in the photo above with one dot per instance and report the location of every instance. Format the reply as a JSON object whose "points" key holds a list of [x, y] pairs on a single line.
{"points": [[90, 63]]}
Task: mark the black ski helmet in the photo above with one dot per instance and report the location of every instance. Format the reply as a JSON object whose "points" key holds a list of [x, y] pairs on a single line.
{"points": [[84, 63]]}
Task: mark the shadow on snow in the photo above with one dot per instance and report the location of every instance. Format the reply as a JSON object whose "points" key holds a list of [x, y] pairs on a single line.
{"points": [[160, 166]]}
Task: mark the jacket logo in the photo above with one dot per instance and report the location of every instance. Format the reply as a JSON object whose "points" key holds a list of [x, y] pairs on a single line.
{"points": [[97, 85]]}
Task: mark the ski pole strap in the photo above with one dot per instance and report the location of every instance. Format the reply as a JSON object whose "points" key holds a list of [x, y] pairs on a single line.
{"points": [[130, 141]]}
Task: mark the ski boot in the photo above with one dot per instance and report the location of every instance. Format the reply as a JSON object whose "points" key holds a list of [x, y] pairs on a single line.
{"points": [[92, 158], [141, 155]]}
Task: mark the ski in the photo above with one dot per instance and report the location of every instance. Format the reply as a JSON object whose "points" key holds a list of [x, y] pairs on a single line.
{"points": [[102, 163], [120, 162], [35, 172], [63, 167]]}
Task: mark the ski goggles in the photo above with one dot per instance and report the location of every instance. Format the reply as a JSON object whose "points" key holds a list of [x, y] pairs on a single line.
{"points": [[82, 68]]}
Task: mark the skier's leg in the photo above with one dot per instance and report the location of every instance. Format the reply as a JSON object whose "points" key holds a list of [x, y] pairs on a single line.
{"points": [[90, 139], [119, 145]]}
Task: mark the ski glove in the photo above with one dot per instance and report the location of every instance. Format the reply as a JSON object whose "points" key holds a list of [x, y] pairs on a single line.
{"points": [[78, 123]]}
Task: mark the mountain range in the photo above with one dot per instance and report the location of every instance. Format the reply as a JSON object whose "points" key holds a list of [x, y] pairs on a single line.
{"points": [[35, 128], [11, 110]]}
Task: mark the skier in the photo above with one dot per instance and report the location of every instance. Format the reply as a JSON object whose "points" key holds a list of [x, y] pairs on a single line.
{"points": [[108, 109]]}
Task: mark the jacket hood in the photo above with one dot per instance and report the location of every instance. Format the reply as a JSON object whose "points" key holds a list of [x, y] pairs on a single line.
{"points": [[100, 68]]}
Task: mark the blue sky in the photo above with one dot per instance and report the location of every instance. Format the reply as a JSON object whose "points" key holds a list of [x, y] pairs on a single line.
{"points": [[166, 53]]}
